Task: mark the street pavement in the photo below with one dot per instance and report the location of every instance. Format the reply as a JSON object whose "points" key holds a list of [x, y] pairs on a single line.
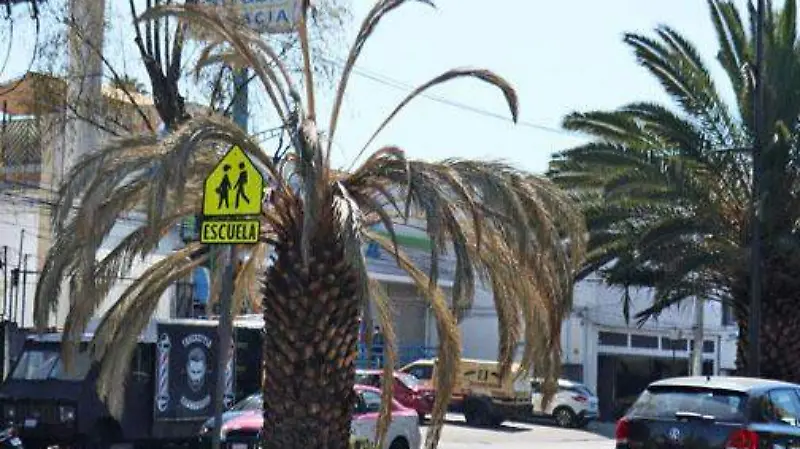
{"points": [[513, 435]]}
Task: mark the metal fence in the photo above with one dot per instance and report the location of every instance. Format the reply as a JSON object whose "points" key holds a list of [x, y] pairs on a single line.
{"points": [[20, 143]]}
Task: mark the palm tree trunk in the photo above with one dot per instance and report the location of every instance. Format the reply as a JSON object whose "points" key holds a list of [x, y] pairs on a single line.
{"points": [[311, 321], [780, 318]]}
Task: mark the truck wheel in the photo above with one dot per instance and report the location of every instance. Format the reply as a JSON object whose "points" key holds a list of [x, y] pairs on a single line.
{"points": [[105, 434], [497, 420], [477, 413]]}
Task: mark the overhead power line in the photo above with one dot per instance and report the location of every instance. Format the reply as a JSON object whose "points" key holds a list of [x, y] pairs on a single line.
{"points": [[400, 85]]}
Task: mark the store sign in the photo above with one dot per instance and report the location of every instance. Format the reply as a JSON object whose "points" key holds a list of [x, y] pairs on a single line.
{"points": [[264, 16]]}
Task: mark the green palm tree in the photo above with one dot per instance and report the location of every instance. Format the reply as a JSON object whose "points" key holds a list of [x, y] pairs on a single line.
{"points": [[666, 188], [505, 227]]}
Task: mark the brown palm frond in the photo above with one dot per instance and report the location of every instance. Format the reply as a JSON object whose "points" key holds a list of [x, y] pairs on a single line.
{"points": [[378, 12], [383, 304], [246, 283], [516, 232], [484, 75], [124, 322], [449, 338]]}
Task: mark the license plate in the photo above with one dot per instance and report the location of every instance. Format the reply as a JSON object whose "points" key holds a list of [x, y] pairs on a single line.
{"points": [[31, 422], [239, 446]]}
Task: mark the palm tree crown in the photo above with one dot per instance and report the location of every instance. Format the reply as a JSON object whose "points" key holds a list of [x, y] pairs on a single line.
{"points": [[505, 227], [666, 189]]}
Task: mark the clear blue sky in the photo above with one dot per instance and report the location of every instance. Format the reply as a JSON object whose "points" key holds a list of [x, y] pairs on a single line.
{"points": [[561, 56]]}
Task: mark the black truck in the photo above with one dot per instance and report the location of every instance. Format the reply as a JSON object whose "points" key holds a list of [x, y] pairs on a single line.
{"points": [[169, 389]]}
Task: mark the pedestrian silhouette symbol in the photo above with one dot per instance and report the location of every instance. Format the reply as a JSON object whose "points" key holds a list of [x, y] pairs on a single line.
{"points": [[234, 187], [224, 188], [241, 183]]}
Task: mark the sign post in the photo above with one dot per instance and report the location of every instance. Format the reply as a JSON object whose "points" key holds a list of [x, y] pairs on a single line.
{"points": [[233, 195]]}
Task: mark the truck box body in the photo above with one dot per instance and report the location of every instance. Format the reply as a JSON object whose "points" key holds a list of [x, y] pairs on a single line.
{"points": [[169, 388]]}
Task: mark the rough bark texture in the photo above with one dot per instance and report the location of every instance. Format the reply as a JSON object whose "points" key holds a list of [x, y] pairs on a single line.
{"points": [[311, 320], [780, 317]]}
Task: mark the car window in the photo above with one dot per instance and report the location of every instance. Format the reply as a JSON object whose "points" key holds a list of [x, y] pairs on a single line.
{"points": [[372, 380], [783, 405], [81, 364], [35, 365], [409, 380], [536, 386], [423, 372], [664, 402], [371, 401], [252, 402], [577, 389]]}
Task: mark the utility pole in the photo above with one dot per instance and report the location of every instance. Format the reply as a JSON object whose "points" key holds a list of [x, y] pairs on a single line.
{"points": [[19, 269], [6, 313], [754, 322], [84, 82], [24, 282], [225, 326], [697, 350]]}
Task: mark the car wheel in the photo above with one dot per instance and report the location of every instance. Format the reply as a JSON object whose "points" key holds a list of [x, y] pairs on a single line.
{"points": [[564, 417], [399, 443]]}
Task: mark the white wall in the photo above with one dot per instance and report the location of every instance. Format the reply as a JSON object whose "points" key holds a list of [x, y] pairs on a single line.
{"points": [[19, 217], [21, 213], [122, 229]]}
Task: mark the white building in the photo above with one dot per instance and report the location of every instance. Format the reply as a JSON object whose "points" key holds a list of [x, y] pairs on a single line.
{"points": [[611, 356], [34, 138]]}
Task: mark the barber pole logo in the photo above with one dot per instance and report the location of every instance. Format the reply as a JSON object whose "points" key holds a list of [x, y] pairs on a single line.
{"points": [[229, 396], [162, 393]]}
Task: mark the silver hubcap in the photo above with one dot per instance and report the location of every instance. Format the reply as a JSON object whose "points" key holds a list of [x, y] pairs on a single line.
{"points": [[563, 417]]}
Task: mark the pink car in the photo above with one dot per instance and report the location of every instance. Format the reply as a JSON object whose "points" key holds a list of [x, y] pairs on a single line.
{"points": [[243, 430]]}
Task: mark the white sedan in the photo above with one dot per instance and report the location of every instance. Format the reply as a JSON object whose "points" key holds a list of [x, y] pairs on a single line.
{"points": [[241, 427]]}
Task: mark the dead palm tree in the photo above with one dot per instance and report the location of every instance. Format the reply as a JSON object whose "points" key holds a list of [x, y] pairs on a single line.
{"points": [[515, 231]]}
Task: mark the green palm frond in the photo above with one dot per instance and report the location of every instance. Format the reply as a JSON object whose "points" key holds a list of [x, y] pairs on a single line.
{"points": [[666, 188]]}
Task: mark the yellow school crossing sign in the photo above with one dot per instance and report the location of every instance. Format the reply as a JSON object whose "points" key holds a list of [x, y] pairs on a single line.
{"points": [[233, 190]]}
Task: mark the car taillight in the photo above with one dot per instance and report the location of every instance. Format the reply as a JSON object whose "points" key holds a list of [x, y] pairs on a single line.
{"points": [[742, 439], [580, 398], [622, 431]]}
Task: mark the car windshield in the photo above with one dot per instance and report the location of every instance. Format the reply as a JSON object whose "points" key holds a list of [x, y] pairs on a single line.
{"points": [[664, 403], [408, 380], [253, 402], [41, 364]]}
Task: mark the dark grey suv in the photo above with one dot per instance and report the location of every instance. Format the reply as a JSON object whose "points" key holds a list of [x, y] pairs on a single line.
{"points": [[713, 413]]}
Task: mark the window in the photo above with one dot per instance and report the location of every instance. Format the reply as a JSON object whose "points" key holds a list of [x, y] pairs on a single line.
{"points": [[253, 402], [35, 365], [46, 364], [423, 372], [372, 380], [783, 405], [673, 345], [727, 315], [664, 402], [708, 346], [644, 341], [612, 339], [408, 380], [371, 402], [79, 369]]}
